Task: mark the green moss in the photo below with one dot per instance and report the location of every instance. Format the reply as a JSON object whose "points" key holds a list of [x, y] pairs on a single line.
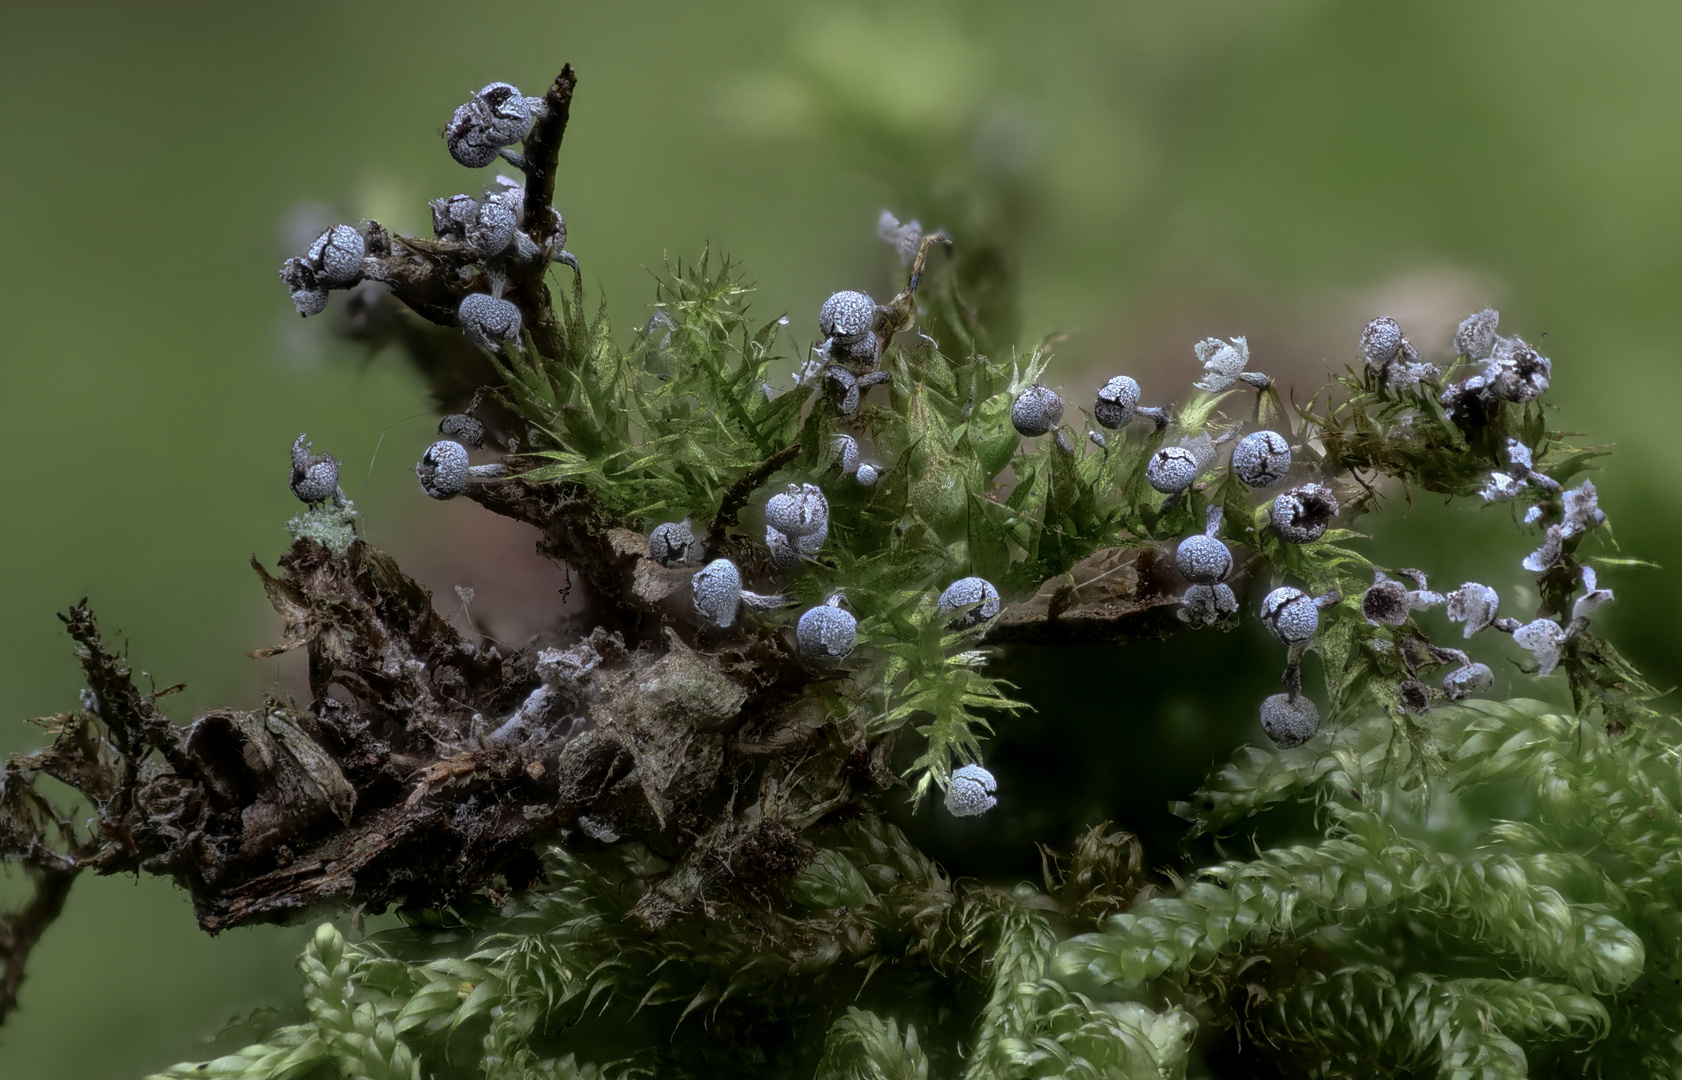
{"points": [[334, 527]]}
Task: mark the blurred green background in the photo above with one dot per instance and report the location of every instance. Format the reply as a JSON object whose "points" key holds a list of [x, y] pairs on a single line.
{"points": [[1285, 170]]}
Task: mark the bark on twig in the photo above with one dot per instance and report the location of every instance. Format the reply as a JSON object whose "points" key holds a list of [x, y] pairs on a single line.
{"points": [[543, 151], [738, 494]]}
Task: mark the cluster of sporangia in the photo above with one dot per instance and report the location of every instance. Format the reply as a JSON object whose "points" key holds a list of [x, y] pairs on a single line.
{"points": [[1513, 371], [487, 228], [847, 363]]}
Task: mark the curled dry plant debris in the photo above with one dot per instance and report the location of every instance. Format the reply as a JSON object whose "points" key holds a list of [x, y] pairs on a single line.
{"points": [[673, 801]]}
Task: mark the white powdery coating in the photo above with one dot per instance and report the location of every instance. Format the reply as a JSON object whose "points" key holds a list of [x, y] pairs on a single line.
{"points": [[846, 316], [813, 542], [717, 592], [669, 543], [1500, 487], [468, 139], [1036, 411], [1301, 515], [1553, 546], [1543, 638], [315, 477], [1203, 560], [492, 228], [1475, 336], [464, 429], [1465, 681], [826, 633], [1582, 510], [336, 257], [497, 116], [452, 214], [1590, 602], [866, 476], [1473, 604], [799, 511], [1116, 401], [971, 792], [443, 469], [488, 320], [1289, 721], [967, 591], [1222, 362], [783, 553], [1206, 605], [309, 301], [841, 387], [1290, 615], [846, 452], [904, 237], [506, 112], [1516, 371], [1407, 375], [1381, 340], [1172, 469], [1261, 458]]}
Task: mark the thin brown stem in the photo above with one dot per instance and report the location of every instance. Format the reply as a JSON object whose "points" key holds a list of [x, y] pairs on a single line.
{"points": [[543, 152], [730, 507]]}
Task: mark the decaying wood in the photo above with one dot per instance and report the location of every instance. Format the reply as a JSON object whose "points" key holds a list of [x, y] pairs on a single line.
{"points": [[1114, 594], [395, 786]]}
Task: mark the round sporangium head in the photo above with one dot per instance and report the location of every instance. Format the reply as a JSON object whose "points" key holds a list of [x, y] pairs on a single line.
{"points": [[443, 469], [315, 477], [1261, 458], [1172, 469], [799, 511], [1381, 340], [670, 544], [1302, 514], [1116, 401], [1290, 615], [1475, 337], [505, 112], [846, 316], [488, 320], [336, 257], [1289, 721], [826, 633], [464, 429], [452, 214], [1036, 411], [967, 591], [1203, 560], [1465, 681], [717, 592], [492, 228], [971, 792], [1386, 603]]}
